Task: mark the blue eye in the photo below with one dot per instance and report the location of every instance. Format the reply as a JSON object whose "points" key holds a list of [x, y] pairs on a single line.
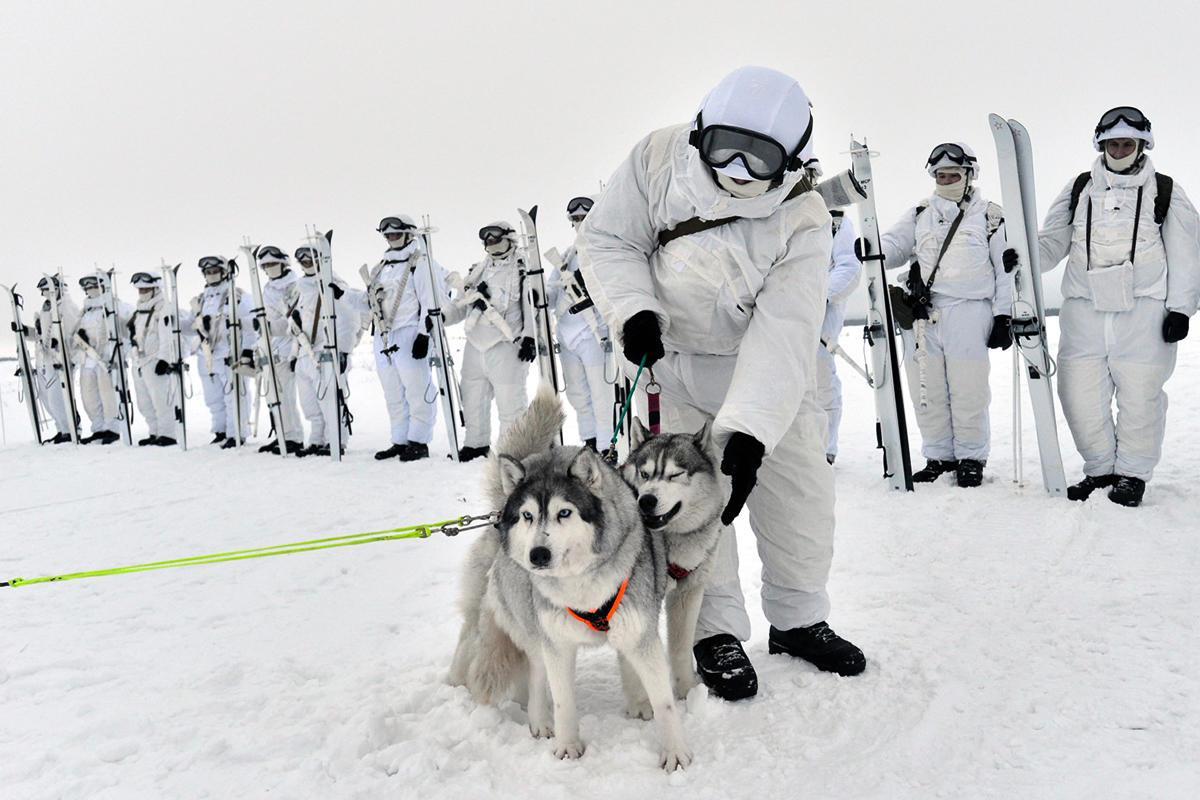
{"points": [[527, 516], [566, 512]]}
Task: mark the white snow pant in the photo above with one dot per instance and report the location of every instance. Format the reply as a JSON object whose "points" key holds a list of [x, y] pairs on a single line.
{"points": [[220, 398], [156, 400], [495, 372], [829, 397], [1121, 355], [289, 409], [790, 509], [411, 400], [954, 417], [589, 394], [53, 398], [93, 386], [314, 389]]}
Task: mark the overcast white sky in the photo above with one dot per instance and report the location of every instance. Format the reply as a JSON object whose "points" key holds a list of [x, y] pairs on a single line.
{"points": [[135, 130]]}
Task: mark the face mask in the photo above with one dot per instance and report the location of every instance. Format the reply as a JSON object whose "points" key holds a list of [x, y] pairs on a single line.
{"points": [[742, 191], [499, 248], [400, 243], [308, 269], [1120, 164], [953, 192], [213, 278], [273, 270], [92, 292], [145, 296]]}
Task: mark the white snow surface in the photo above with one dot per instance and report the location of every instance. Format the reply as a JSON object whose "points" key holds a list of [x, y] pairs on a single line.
{"points": [[1017, 645]]}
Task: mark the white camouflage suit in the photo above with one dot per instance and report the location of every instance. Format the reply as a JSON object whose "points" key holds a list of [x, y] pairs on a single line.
{"points": [[845, 272], [490, 365], [151, 340], [280, 297], [97, 387], [1104, 355], [49, 360], [312, 386], [583, 342], [947, 362], [213, 358], [402, 294], [740, 307]]}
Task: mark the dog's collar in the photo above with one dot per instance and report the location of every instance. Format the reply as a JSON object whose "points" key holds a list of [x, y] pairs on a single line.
{"points": [[677, 572], [598, 620]]}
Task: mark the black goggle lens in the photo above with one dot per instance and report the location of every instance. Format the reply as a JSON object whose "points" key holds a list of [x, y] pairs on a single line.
{"points": [[950, 151], [763, 158], [212, 262], [493, 234], [394, 225], [579, 206], [1135, 119]]}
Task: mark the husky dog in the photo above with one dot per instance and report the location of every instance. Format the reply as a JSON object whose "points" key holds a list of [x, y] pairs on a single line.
{"points": [[680, 495], [571, 564]]}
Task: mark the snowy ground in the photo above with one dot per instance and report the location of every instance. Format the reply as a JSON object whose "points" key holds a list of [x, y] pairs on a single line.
{"points": [[1018, 646]]}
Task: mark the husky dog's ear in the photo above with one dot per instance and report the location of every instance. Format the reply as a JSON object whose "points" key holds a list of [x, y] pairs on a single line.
{"points": [[587, 468], [703, 437], [640, 433], [512, 472]]}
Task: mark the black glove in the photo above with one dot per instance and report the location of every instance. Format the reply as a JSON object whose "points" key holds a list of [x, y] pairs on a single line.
{"points": [[21, 329], [206, 322], [343, 360], [480, 304], [428, 324], [162, 368], [743, 456], [862, 248], [254, 324], [292, 365], [1010, 260], [420, 346], [1001, 335], [83, 337], [1175, 327], [299, 323], [336, 291], [53, 343], [641, 336], [528, 351], [482, 288]]}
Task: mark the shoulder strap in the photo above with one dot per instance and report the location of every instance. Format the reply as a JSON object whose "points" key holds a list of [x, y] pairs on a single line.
{"points": [[1077, 188], [1162, 200], [1137, 218], [696, 224], [962, 210], [919, 210], [995, 218]]}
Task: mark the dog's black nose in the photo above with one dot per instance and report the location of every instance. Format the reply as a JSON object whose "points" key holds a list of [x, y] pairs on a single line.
{"points": [[647, 503], [539, 556]]}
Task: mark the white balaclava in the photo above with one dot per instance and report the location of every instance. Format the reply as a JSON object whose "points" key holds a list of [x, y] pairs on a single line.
{"points": [[953, 192], [146, 296], [308, 267], [498, 248], [765, 101], [1123, 130]]}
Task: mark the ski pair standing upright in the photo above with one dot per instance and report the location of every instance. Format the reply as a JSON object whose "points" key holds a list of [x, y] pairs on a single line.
{"points": [[25, 369]]}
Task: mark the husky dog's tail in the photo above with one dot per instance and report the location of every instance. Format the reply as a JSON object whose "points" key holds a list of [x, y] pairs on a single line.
{"points": [[486, 659]]}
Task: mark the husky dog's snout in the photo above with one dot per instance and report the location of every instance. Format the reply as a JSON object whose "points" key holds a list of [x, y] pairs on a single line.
{"points": [[539, 556], [647, 503]]}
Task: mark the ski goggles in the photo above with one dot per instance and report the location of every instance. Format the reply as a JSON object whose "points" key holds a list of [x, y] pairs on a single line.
{"points": [[763, 158], [144, 279], [1128, 114], [578, 206], [271, 255], [950, 152], [394, 225], [306, 255], [45, 283], [89, 282], [212, 262], [491, 234]]}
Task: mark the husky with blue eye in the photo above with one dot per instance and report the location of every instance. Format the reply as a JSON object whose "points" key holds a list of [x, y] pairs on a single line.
{"points": [[680, 495], [571, 564]]}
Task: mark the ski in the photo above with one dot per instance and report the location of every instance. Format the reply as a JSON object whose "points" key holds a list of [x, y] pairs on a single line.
{"points": [[329, 356], [891, 427], [263, 324], [1015, 159], [440, 357], [116, 360], [233, 327], [65, 378], [24, 365], [171, 284], [536, 293]]}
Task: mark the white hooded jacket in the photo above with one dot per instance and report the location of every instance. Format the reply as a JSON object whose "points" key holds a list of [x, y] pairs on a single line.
{"points": [[572, 329], [845, 272], [404, 292], [1167, 262], [753, 289]]}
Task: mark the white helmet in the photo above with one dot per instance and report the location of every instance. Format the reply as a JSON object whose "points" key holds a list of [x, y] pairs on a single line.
{"points": [[1123, 122]]}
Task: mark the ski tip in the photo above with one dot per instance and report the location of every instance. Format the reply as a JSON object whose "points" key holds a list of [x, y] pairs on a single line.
{"points": [[997, 121]]}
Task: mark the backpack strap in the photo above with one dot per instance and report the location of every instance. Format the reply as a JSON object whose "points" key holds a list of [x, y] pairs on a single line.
{"points": [[696, 224], [919, 210], [1081, 181], [995, 218], [1162, 200]]}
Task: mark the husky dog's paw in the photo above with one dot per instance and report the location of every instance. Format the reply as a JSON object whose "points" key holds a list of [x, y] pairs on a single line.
{"points": [[541, 730], [568, 749], [674, 758], [683, 685], [639, 708]]}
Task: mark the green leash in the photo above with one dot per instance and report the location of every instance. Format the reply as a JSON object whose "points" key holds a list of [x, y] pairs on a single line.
{"points": [[610, 454], [451, 527]]}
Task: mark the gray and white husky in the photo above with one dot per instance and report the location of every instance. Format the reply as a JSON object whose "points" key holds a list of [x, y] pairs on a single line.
{"points": [[570, 564], [680, 496]]}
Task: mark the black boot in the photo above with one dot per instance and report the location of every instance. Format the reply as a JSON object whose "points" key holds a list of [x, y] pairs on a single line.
{"points": [[415, 451], [1128, 491], [92, 438], [470, 453], [725, 668], [60, 438], [165, 441], [317, 450], [591, 443], [395, 451], [217, 438], [295, 448], [933, 470], [109, 437], [970, 473], [1090, 483], [272, 447], [149, 441], [819, 646], [229, 443]]}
